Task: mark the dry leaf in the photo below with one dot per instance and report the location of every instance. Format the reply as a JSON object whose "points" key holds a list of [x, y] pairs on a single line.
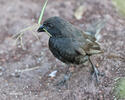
{"points": [[79, 12]]}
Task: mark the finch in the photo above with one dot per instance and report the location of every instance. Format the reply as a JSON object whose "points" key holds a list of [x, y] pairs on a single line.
{"points": [[71, 45]]}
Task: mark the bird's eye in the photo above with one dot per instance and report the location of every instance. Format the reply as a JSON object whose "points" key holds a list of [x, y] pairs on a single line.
{"points": [[50, 25], [44, 24]]}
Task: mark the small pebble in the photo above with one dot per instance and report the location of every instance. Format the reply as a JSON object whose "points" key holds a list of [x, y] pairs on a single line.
{"points": [[16, 74], [53, 74]]}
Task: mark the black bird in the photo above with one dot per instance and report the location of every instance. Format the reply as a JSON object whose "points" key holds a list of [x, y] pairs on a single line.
{"points": [[71, 45]]}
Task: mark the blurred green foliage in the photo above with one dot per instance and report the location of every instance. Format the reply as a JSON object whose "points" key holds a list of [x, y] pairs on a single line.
{"points": [[119, 89], [120, 5]]}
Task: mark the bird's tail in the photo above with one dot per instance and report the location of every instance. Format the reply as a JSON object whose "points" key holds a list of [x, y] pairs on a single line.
{"points": [[95, 29]]}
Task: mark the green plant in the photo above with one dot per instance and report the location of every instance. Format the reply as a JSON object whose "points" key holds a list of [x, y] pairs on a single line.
{"points": [[120, 5], [119, 88]]}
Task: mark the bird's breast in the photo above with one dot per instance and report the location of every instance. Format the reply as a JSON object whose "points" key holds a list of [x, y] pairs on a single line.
{"points": [[65, 50]]}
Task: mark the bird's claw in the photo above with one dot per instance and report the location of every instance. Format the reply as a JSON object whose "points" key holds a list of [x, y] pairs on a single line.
{"points": [[61, 83], [96, 73], [65, 79]]}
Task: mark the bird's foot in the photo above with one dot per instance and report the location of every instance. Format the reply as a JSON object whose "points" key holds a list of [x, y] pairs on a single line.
{"points": [[96, 73], [64, 80]]}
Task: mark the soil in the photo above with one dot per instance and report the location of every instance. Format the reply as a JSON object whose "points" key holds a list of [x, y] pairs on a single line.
{"points": [[24, 72]]}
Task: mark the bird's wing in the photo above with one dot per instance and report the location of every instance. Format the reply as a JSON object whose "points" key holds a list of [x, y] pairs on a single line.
{"points": [[89, 36], [87, 45], [91, 47]]}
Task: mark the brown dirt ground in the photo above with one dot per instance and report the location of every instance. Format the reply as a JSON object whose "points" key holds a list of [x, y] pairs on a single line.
{"points": [[18, 83]]}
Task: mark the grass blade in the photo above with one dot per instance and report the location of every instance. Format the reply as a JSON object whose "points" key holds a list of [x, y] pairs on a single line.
{"points": [[42, 12]]}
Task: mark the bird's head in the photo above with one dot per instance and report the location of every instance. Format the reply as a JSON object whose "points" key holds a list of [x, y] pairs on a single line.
{"points": [[55, 26]]}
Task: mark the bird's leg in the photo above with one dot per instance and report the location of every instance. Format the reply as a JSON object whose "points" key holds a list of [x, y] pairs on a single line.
{"points": [[67, 76], [96, 72]]}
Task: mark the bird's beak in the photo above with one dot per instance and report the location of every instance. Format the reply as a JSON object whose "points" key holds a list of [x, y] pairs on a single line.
{"points": [[41, 29]]}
